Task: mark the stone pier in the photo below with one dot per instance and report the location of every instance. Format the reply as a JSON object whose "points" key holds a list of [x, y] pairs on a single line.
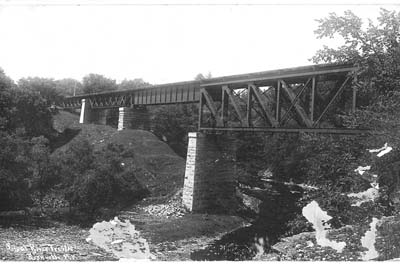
{"points": [[210, 175], [85, 116], [133, 118]]}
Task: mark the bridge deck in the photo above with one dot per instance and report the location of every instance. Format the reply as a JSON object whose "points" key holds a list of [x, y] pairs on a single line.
{"points": [[189, 92]]}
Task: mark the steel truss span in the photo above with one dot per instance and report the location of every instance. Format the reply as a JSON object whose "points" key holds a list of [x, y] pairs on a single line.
{"points": [[307, 98]]}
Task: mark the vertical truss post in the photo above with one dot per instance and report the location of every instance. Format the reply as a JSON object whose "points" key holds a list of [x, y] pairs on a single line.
{"points": [[249, 105], [312, 103], [200, 110], [224, 107], [277, 100], [354, 102]]}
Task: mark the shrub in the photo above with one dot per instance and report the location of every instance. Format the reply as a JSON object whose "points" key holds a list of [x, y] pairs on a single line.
{"points": [[43, 170], [14, 172], [172, 124], [97, 180]]}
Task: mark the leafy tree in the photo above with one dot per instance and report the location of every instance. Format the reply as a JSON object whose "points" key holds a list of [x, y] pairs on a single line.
{"points": [[132, 84], [43, 172], [374, 48], [14, 173], [23, 110], [23, 161], [200, 76], [30, 114], [95, 180], [6, 85], [69, 87], [75, 161], [94, 83], [46, 87], [173, 123]]}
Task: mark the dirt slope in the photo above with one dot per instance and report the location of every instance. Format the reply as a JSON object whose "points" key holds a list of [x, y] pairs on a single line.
{"points": [[166, 168]]}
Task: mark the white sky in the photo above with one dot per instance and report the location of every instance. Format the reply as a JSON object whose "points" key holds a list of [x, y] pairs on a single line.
{"points": [[157, 42]]}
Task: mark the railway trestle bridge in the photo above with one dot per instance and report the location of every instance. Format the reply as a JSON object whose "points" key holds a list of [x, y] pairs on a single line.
{"points": [[292, 100]]}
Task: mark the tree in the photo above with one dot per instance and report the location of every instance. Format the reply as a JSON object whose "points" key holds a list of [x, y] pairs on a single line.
{"points": [[14, 173], [375, 48], [94, 180], [23, 114], [132, 84], [69, 87], [200, 76], [94, 83], [172, 124], [30, 114], [6, 85], [43, 173], [46, 87], [23, 108]]}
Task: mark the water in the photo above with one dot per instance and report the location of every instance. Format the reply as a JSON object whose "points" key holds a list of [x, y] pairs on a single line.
{"points": [[368, 241], [315, 215]]}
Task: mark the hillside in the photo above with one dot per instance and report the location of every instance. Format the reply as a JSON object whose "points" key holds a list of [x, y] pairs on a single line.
{"points": [[165, 168]]}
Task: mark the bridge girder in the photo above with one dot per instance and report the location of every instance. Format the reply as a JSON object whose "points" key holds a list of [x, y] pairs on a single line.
{"points": [[292, 99]]}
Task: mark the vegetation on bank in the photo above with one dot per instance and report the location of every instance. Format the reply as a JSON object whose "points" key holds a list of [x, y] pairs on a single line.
{"points": [[88, 180]]}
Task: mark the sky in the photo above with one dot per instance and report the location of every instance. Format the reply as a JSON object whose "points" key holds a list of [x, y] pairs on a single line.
{"points": [[163, 41]]}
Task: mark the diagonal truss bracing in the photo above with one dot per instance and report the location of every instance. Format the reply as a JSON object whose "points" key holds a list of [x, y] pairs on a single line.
{"points": [[291, 103]]}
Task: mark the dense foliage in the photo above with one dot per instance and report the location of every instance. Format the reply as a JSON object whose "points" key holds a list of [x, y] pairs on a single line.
{"points": [[46, 88], [69, 87], [132, 84], [90, 180], [93, 83], [13, 170], [374, 48], [24, 117], [172, 123], [95, 180]]}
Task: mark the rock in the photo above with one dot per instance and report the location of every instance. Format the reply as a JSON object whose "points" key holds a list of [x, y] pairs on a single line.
{"points": [[251, 202], [120, 238]]}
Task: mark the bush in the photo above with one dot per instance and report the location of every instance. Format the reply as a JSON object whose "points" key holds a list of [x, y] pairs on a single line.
{"points": [[14, 172], [97, 180], [43, 170], [173, 123], [24, 161]]}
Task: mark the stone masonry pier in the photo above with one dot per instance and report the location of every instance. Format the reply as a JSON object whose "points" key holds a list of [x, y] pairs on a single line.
{"points": [[210, 175]]}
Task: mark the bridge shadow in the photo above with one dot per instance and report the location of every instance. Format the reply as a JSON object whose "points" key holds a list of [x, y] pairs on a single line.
{"points": [[236, 245], [63, 138]]}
